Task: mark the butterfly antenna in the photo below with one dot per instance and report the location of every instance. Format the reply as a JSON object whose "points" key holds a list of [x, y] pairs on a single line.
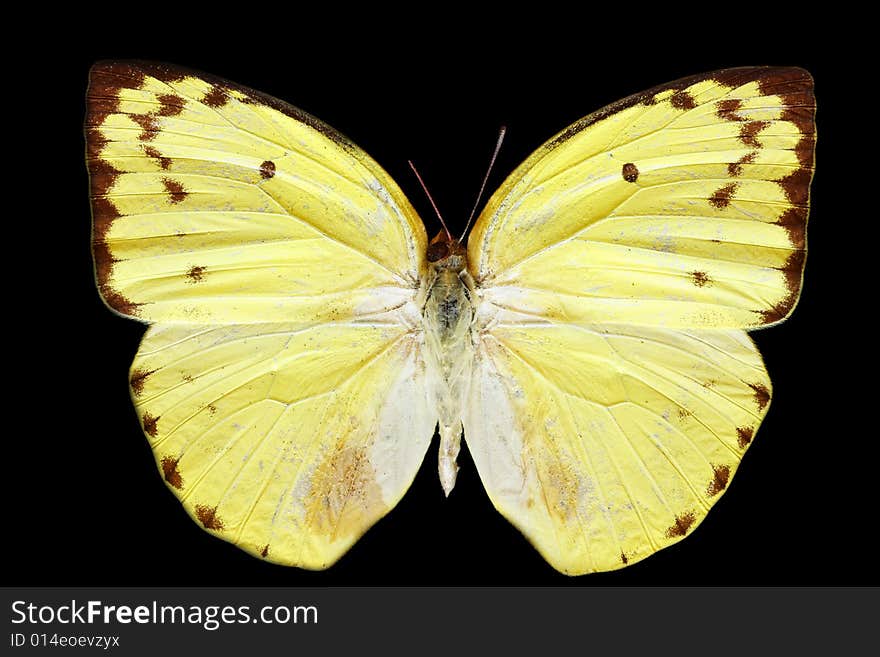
{"points": [[501, 134], [428, 194]]}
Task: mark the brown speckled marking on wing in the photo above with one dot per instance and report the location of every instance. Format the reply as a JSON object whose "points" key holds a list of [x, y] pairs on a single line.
{"points": [[701, 279], [345, 497], [175, 189], [748, 133], [171, 473], [720, 199], [736, 168], [164, 162], [682, 525], [762, 395], [744, 436], [719, 480], [137, 378], [217, 97], [151, 424], [196, 274], [207, 515]]}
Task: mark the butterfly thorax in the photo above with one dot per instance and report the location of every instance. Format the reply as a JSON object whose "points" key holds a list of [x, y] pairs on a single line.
{"points": [[447, 316]]}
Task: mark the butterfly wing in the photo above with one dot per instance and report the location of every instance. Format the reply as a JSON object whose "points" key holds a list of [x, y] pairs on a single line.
{"points": [[617, 269], [682, 206], [606, 444], [280, 384], [289, 442], [215, 203]]}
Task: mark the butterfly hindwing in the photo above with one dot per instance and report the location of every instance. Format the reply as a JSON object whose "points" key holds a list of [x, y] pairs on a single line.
{"points": [[289, 442], [606, 444]]}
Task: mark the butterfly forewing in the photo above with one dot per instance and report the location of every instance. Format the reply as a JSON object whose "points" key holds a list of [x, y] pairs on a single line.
{"points": [[213, 203], [684, 206]]}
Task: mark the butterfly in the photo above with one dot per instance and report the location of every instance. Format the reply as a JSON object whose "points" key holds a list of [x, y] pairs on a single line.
{"points": [[588, 338]]}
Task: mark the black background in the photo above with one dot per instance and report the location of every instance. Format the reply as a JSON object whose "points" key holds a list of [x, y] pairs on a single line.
{"points": [[85, 503]]}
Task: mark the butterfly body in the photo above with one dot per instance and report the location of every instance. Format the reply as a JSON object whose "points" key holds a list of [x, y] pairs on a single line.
{"points": [[448, 328], [590, 341]]}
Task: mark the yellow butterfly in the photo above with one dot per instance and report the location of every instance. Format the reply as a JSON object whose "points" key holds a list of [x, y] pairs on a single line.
{"points": [[306, 340]]}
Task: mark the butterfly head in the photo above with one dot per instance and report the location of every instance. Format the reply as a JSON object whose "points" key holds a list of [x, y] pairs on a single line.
{"points": [[446, 252]]}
